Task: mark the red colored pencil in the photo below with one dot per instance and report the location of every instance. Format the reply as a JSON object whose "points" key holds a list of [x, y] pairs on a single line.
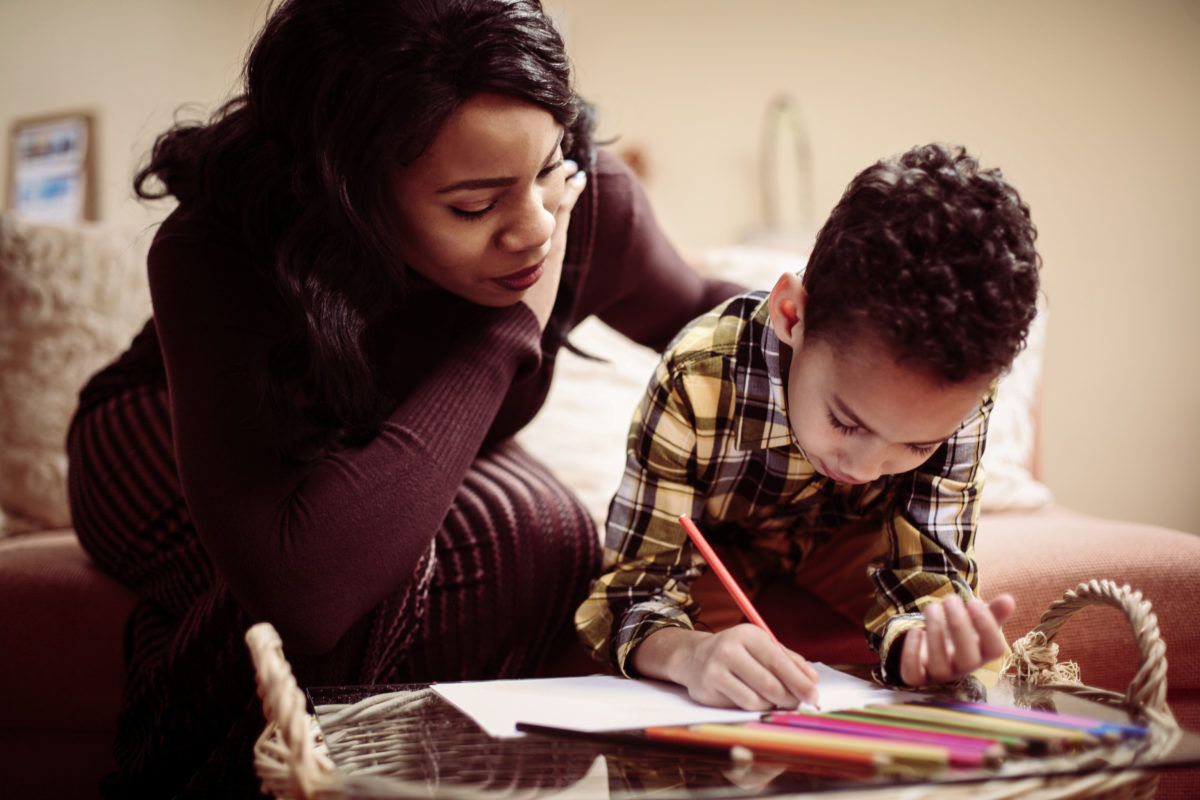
{"points": [[727, 579]]}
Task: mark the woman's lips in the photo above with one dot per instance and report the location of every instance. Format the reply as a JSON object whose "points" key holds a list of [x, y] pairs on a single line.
{"points": [[521, 280]]}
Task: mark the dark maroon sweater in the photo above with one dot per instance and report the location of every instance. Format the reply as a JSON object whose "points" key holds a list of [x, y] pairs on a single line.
{"points": [[313, 547]]}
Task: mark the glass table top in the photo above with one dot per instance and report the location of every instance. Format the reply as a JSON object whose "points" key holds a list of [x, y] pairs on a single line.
{"points": [[408, 741]]}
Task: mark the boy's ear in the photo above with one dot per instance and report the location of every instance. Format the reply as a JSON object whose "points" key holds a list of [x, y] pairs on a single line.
{"points": [[787, 309]]}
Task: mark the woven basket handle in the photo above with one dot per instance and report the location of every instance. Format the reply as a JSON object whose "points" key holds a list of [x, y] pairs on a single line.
{"points": [[286, 755], [1034, 656]]}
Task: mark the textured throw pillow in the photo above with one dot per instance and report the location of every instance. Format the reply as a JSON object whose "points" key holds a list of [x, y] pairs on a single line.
{"points": [[71, 299], [580, 432], [1012, 431]]}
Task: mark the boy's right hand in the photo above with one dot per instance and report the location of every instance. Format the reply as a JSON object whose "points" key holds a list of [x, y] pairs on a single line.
{"points": [[740, 667]]}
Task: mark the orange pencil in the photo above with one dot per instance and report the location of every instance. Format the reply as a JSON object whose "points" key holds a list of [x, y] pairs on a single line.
{"points": [[757, 736], [715, 564], [733, 736]]}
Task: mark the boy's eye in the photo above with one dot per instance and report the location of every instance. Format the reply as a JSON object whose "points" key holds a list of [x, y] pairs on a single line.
{"points": [[922, 450], [840, 426]]}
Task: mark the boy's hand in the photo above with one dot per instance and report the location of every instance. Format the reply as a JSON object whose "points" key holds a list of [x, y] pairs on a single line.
{"points": [[741, 667], [957, 639]]}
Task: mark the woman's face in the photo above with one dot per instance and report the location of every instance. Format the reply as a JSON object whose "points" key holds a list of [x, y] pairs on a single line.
{"points": [[477, 208]]}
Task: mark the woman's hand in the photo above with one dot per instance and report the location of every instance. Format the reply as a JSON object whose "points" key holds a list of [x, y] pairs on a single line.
{"points": [[957, 639], [741, 667], [541, 296]]}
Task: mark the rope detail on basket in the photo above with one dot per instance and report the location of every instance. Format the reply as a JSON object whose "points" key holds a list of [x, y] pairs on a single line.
{"points": [[1034, 656], [1034, 659]]}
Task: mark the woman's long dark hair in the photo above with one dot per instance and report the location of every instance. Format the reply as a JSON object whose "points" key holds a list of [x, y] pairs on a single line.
{"points": [[299, 165]]}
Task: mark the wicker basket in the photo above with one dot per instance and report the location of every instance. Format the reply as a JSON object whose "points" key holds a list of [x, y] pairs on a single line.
{"points": [[292, 760]]}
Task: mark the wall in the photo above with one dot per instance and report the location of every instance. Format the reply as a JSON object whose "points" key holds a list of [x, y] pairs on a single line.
{"points": [[133, 63], [1088, 105]]}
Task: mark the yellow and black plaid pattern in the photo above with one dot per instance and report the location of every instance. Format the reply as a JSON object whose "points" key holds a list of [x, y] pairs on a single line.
{"points": [[711, 439]]}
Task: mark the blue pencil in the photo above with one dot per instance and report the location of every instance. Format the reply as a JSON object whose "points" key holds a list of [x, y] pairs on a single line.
{"points": [[1100, 728]]}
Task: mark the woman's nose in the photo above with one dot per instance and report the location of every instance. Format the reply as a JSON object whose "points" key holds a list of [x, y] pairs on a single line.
{"points": [[530, 225]]}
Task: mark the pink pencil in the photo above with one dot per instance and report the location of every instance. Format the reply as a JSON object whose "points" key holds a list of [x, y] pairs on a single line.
{"points": [[715, 564], [963, 750]]}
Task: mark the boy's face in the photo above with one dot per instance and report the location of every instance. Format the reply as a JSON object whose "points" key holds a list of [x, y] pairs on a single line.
{"points": [[857, 414]]}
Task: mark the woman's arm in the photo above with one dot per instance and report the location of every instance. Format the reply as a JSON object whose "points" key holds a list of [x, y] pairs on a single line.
{"points": [[312, 547]]}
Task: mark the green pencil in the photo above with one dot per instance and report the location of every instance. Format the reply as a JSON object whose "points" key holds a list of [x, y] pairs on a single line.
{"points": [[1013, 744], [1054, 737]]}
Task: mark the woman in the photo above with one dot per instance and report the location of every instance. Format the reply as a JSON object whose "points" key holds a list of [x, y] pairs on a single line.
{"points": [[357, 302]]}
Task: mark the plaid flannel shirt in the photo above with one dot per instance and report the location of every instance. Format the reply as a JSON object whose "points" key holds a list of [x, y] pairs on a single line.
{"points": [[711, 439]]}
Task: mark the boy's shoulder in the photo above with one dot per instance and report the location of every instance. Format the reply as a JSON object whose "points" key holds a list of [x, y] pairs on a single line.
{"points": [[722, 378], [720, 333]]}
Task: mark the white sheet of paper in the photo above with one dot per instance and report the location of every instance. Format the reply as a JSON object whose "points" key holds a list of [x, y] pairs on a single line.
{"points": [[605, 703]]}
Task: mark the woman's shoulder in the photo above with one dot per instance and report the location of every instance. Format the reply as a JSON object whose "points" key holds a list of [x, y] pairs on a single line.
{"points": [[188, 241], [618, 212], [615, 179], [187, 226], [195, 262]]}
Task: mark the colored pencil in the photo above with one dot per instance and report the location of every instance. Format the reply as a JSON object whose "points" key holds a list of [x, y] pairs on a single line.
{"points": [[856, 761], [723, 573], [1011, 744], [1017, 727], [758, 735], [1103, 729], [963, 750], [735, 753]]}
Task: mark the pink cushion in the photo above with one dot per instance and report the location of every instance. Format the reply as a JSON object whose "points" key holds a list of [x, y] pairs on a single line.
{"points": [[1036, 556], [61, 635]]}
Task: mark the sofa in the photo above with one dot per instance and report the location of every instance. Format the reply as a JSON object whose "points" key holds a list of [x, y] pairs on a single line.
{"points": [[72, 297]]}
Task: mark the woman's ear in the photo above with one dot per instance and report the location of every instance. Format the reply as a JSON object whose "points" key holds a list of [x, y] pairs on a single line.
{"points": [[787, 309]]}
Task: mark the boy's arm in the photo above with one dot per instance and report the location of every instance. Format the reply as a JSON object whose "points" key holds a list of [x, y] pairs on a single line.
{"points": [[639, 615], [651, 564], [932, 529]]}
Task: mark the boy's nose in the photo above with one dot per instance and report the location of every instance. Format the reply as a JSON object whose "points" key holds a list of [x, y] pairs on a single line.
{"points": [[862, 476], [863, 465]]}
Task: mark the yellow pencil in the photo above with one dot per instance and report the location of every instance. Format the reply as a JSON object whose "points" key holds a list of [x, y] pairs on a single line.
{"points": [[1023, 728], [754, 736]]}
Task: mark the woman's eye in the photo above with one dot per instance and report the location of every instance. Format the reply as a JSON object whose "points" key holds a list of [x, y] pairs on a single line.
{"points": [[551, 169], [470, 214]]}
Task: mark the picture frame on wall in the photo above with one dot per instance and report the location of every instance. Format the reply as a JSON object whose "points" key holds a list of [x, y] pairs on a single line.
{"points": [[51, 170]]}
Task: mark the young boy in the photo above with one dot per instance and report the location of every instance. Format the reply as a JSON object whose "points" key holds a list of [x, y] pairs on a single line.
{"points": [[843, 413]]}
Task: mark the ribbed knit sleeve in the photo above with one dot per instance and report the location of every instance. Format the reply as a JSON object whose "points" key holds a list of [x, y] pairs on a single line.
{"points": [[341, 533]]}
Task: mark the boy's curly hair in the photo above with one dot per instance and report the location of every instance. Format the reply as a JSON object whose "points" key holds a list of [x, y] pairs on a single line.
{"points": [[935, 256]]}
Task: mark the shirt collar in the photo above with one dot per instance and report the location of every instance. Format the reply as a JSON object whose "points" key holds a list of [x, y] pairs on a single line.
{"points": [[759, 384]]}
